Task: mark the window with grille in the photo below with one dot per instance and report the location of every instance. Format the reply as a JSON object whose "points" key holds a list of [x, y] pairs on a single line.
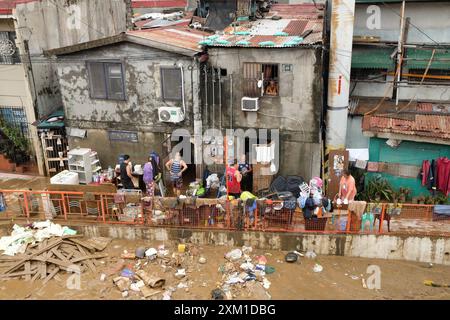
{"points": [[8, 44], [260, 80], [171, 83], [106, 80], [433, 75], [15, 117]]}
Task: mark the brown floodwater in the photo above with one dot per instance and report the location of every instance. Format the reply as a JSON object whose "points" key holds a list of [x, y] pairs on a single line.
{"points": [[399, 279]]}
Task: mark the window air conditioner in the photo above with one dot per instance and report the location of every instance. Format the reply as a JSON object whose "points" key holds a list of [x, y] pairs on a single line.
{"points": [[170, 114], [250, 104]]}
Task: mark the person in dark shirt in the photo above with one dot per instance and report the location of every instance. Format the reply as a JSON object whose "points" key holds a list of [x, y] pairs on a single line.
{"points": [[125, 173], [246, 171]]}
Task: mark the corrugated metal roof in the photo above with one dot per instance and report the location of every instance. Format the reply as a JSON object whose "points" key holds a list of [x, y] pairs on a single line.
{"points": [[158, 4], [182, 37], [285, 32], [435, 126]]}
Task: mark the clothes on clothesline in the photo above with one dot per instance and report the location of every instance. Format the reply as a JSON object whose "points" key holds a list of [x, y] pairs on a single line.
{"points": [[436, 175]]}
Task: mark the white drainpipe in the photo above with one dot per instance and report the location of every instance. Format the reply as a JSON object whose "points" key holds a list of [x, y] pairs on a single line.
{"points": [[341, 41]]}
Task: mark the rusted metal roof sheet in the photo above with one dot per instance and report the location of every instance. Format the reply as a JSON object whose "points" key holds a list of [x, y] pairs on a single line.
{"points": [[158, 4], [284, 32], [435, 126], [182, 37]]}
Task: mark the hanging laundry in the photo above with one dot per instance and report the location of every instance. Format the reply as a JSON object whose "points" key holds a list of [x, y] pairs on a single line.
{"points": [[431, 178], [443, 175], [424, 171]]}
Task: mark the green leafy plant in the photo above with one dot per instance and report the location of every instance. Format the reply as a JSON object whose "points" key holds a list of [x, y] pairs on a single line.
{"points": [[15, 136], [441, 198], [378, 189]]}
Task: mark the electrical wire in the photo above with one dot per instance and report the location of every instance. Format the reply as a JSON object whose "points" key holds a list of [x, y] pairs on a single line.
{"points": [[285, 117], [418, 29]]}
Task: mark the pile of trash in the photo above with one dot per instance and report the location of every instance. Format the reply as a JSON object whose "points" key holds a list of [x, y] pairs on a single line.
{"points": [[243, 271], [147, 270], [33, 233]]}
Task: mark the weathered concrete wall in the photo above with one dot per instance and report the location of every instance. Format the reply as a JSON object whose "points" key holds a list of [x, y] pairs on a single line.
{"points": [[295, 112], [392, 247], [109, 151], [355, 139], [138, 113], [49, 24], [430, 17]]}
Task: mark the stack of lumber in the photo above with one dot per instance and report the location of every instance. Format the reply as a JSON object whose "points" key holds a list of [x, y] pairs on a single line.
{"points": [[44, 260]]}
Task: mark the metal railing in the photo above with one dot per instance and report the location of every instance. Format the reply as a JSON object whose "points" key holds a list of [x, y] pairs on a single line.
{"points": [[217, 214]]}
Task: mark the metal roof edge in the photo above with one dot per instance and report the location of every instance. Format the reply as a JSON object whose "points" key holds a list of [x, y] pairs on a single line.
{"points": [[86, 45], [161, 45]]}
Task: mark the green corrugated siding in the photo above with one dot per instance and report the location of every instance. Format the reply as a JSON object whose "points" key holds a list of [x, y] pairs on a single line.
{"points": [[373, 58], [424, 57], [410, 153]]}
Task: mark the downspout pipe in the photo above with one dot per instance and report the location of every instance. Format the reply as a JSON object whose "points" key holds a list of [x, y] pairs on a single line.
{"points": [[341, 41]]}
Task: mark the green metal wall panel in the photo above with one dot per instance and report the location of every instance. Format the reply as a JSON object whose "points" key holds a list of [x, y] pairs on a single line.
{"points": [[408, 152]]}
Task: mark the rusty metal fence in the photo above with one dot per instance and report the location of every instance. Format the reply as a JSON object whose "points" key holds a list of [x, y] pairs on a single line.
{"points": [[216, 214]]}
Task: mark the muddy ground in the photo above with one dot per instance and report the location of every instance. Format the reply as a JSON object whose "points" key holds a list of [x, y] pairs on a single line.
{"points": [[399, 279]]}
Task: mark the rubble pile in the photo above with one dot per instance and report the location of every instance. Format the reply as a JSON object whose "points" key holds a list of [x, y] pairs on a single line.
{"points": [[147, 270], [243, 276], [42, 249]]}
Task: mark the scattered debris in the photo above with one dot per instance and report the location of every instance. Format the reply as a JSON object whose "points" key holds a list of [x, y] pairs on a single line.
{"points": [[102, 277], [291, 257], [217, 294], [433, 284], [310, 255], [247, 250], [364, 283], [127, 273], [140, 253], [153, 282], [354, 277], [317, 268], [234, 255], [151, 253], [180, 274], [202, 260]]}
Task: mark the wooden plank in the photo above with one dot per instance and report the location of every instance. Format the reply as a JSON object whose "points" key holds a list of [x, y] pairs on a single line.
{"points": [[51, 275], [59, 263], [28, 269], [88, 257], [59, 255], [43, 270], [36, 275], [83, 244], [16, 274], [99, 243], [21, 262], [84, 257]]}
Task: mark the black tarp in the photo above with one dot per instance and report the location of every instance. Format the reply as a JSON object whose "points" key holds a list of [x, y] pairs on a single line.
{"points": [[221, 13]]}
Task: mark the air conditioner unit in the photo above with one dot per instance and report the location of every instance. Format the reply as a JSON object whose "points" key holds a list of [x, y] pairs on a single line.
{"points": [[170, 114], [250, 104]]}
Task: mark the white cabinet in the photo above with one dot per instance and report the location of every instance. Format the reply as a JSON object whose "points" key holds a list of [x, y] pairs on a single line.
{"points": [[85, 162]]}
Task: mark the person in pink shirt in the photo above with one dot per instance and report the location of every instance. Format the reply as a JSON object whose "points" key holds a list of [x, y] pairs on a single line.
{"points": [[347, 187]]}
